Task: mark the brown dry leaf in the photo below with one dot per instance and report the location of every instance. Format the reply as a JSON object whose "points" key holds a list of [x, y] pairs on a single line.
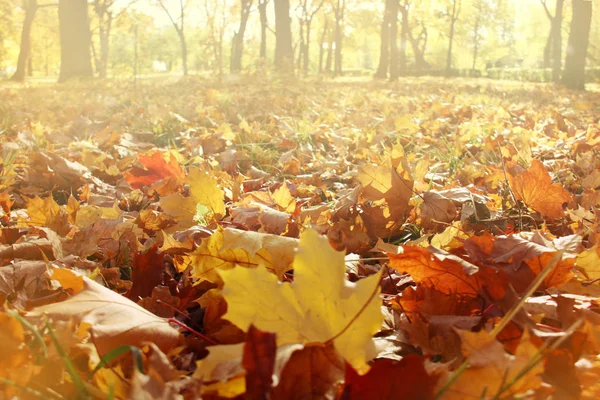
{"points": [[387, 188], [437, 208], [148, 271], [161, 302], [537, 191], [310, 373], [523, 256], [493, 368], [160, 381], [214, 325], [260, 351], [114, 320], [22, 282]]}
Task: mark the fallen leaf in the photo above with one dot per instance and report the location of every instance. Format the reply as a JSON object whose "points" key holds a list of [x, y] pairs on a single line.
{"points": [[320, 305], [147, 272], [310, 373], [390, 379], [258, 360], [537, 191], [115, 320], [155, 168]]}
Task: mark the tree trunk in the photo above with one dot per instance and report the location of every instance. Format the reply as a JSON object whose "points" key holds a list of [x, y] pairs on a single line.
{"points": [[339, 18], [329, 61], [475, 43], [322, 47], [403, 37], [237, 48], [389, 57], [453, 19], [262, 9], [384, 51], [547, 63], [184, 52], [104, 36], [284, 52], [25, 52], [301, 46], [420, 62], [307, 47], [74, 26], [579, 36], [557, 41], [394, 53]]}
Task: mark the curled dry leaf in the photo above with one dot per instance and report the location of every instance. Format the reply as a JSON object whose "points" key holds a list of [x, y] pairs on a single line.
{"points": [[114, 320]]}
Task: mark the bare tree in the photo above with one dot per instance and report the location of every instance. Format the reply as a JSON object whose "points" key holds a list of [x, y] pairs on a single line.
{"points": [[105, 15], [309, 9], [456, 8], [323, 42], [179, 25], [237, 45], [31, 8], [216, 21], [554, 42], [481, 13], [419, 45]]}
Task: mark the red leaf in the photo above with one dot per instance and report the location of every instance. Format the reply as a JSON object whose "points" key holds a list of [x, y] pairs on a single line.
{"points": [[259, 361], [156, 168], [391, 379], [148, 269]]}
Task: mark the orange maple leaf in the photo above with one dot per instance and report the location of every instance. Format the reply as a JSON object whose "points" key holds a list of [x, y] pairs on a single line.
{"points": [[447, 273], [156, 168], [535, 188]]}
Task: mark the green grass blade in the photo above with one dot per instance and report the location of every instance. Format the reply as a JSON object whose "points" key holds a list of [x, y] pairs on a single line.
{"points": [[115, 353], [82, 391]]}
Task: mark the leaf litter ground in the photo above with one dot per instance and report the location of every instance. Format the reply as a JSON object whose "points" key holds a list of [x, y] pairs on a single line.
{"points": [[350, 240]]}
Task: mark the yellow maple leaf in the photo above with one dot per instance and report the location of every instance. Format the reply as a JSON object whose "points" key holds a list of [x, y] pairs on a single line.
{"points": [[205, 190], [284, 199], [212, 255], [589, 261], [320, 306]]}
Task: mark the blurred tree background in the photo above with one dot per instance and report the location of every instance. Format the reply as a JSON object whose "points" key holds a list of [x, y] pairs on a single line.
{"points": [[534, 40]]}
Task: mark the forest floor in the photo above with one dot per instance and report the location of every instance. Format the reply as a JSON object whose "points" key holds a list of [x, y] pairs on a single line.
{"points": [[312, 239]]}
